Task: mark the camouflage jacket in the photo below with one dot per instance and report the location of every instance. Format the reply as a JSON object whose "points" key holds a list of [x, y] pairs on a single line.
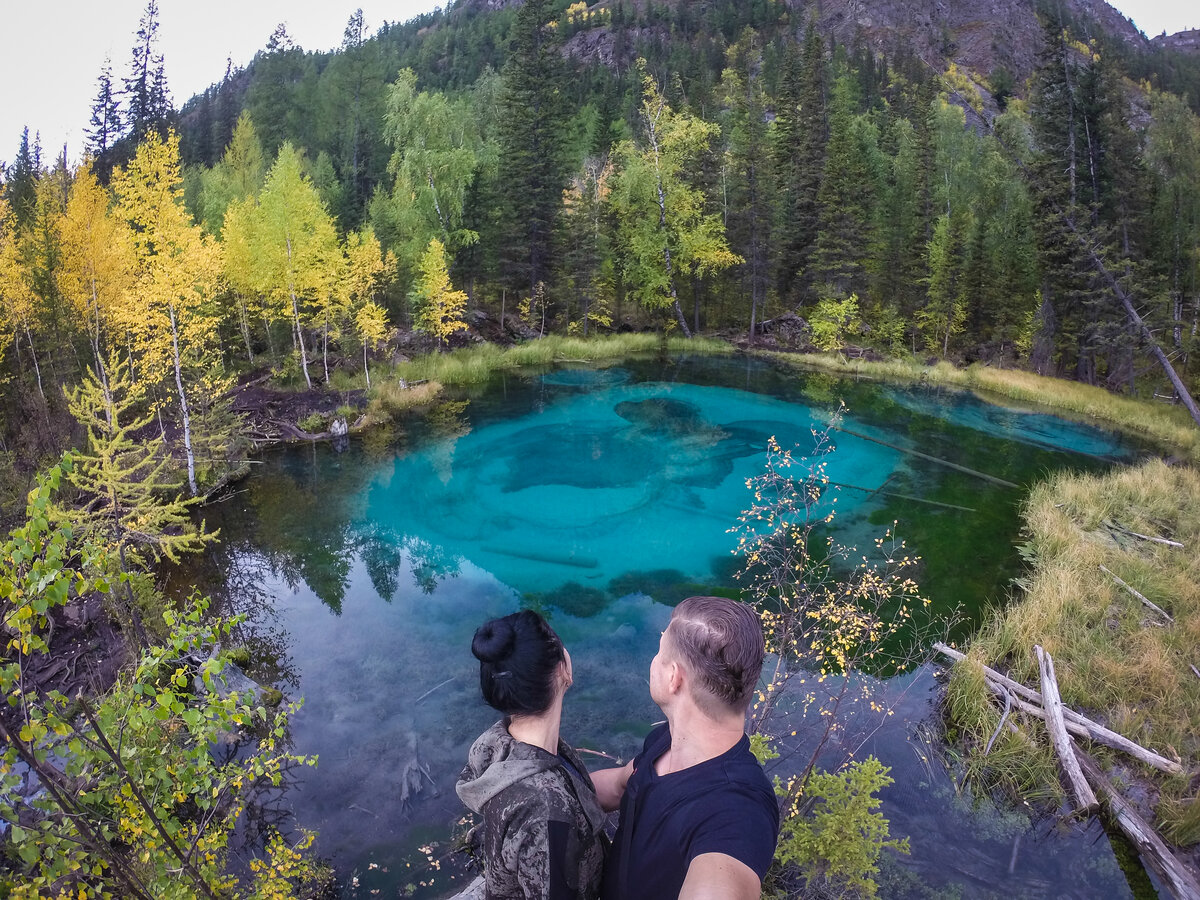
{"points": [[542, 834]]}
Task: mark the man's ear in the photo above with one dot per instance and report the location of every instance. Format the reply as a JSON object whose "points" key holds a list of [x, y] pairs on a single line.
{"points": [[675, 677]]}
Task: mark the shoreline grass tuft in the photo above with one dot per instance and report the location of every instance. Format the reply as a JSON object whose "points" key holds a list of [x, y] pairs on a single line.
{"points": [[1117, 660]]}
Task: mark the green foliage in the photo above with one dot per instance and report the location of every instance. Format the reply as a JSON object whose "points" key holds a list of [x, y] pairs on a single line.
{"points": [[665, 229], [135, 802], [833, 321], [836, 834]]}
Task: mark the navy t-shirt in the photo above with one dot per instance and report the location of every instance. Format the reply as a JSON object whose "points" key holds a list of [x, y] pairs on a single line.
{"points": [[722, 805]]}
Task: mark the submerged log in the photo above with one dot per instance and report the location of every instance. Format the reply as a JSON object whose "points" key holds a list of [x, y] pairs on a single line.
{"points": [[1154, 851], [1076, 723], [880, 490], [934, 459], [1145, 600], [1063, 746]]}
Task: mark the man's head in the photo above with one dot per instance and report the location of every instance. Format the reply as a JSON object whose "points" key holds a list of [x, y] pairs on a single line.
{"points": [[719, 644]]}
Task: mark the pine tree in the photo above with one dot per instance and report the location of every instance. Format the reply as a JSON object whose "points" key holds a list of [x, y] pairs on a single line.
{"points": [[800, 134], [847, 196], [21, 179], [752, 185], [105, 125], [148, 103], [532, 165]]}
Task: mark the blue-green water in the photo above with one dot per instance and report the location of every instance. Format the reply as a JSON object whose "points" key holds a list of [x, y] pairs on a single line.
{"points": [[602, 496]]}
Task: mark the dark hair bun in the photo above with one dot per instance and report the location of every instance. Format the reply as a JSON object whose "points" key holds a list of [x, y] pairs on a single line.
{"points": [[493, 641]]}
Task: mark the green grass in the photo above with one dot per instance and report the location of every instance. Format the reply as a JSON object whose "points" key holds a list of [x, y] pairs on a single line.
{"points": [[476, 364], [1170, 428], [1116, 660]]}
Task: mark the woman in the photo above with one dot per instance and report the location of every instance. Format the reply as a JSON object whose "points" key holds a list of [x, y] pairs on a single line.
{"points": [[541, 835]]}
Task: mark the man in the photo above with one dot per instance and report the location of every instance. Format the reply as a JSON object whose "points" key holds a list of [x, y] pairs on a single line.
{"points": [[699, 818]]}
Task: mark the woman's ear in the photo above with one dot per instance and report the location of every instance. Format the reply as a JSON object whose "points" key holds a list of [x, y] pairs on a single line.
{"points": [[567, 672]]}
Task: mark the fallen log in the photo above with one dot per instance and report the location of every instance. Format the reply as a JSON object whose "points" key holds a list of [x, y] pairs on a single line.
{"points": [[1076, 723], [1063, 746], [1145, 600], [934, 459], [1144, 537], [1156, 854]]}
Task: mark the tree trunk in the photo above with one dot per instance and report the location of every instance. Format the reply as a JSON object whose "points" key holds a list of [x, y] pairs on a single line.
{"points": [[183, 405], [36, 368], [244, 321], [366, 369], [298, 336], [325, 347]]}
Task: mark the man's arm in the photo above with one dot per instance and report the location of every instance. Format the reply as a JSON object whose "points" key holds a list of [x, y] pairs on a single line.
{"points": [[610, 785], [715, 876]]}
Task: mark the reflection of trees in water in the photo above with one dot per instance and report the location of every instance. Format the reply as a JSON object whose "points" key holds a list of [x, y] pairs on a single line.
{"points": [[447, 423]]}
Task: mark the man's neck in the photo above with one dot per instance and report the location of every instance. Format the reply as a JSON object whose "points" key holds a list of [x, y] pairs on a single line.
{"points": [[697, 738]]}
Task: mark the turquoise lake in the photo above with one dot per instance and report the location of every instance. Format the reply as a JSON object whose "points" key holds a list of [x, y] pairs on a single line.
{"points": [[601, 496]]}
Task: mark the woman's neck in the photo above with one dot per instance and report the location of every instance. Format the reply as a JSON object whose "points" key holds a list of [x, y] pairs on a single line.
{"points": [[540, 730]]}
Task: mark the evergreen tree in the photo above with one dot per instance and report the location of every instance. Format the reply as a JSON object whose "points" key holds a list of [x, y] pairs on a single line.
{"points": [[532, 158], [148, 103], [105, 125], [1173, 156], [21, 179], [800, 136], [752, 186], [846, 197], [898, 262]]}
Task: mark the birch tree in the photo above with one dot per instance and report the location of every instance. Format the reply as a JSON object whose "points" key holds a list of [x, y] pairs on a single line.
{"points": [[167, 309], [666, 232]]}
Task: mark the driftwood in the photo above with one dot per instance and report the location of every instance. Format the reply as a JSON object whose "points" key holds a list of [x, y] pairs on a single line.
{"points": [[1144, 537], [941, 462], [1076, 723], [1063, 746], [1155, 853], [1145, 601]]}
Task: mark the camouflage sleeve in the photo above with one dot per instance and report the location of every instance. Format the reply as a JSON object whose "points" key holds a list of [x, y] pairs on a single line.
{"points": [[536, 849]]}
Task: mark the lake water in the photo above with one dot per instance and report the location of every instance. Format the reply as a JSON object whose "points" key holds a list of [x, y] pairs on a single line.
{"points": [[602, 496]]}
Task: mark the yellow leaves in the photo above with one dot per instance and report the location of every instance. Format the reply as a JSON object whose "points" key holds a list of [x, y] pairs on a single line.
{"points": [[440, 307]]}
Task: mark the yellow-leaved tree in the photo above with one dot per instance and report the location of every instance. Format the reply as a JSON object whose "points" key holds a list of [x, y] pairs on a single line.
{"points": [[295, 261], [168, 308], [439, 307], [95, 260], [368, 270]]}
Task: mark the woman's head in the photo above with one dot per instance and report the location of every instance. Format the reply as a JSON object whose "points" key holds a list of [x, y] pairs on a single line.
{"points": [[522, 663]]}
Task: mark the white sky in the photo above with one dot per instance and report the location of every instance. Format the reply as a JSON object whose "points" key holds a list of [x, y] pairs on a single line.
{"points": [[53, 53]]}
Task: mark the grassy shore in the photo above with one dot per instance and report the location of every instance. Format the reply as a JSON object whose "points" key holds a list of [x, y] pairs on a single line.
{"points": [[1114, 656], [391, 394], [1168, 427], [476, 364]]}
